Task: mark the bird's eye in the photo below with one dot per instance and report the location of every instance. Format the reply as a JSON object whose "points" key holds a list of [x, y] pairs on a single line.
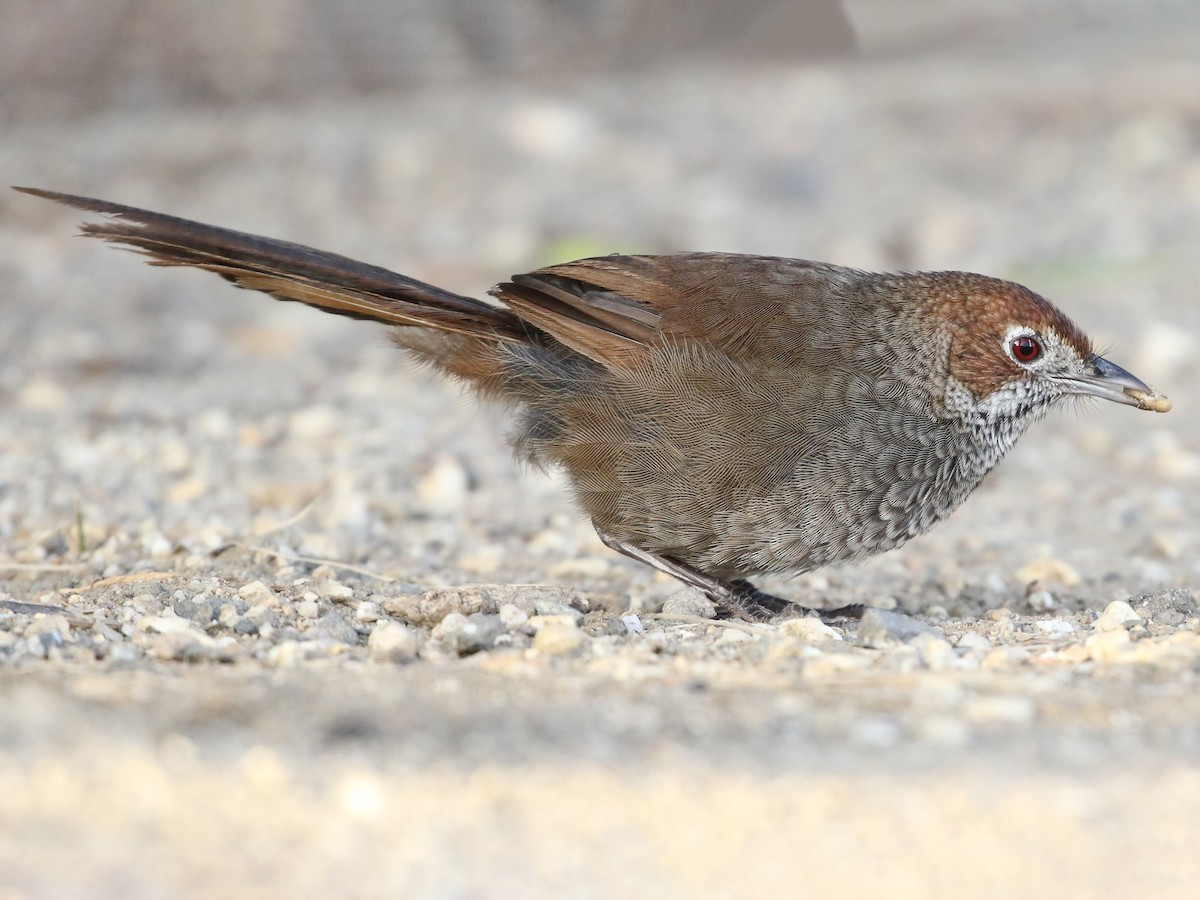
{"points": [[1026, 348]]}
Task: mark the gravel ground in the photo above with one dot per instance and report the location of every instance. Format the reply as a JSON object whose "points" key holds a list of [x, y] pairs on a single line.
{"points": [[279, 616]]}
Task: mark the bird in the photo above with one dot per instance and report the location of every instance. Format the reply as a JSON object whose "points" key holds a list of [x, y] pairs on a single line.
{"points": [[719, 416]]}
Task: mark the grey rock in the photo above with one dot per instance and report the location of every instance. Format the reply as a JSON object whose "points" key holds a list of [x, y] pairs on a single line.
{"points": [[465, 635], [333, 626], [1170, 607], [200, 609], [881, 628], [689, 602]]}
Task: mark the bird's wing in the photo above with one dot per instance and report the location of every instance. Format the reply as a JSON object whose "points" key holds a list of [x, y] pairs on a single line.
{"points": [[613, 308]]}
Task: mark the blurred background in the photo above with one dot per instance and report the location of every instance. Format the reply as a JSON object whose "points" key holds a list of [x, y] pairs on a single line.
{"points": [[155, 416], [501, 133]]}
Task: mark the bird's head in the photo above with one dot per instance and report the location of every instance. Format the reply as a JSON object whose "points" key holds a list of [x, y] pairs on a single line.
{"points": [[1013, 352]]}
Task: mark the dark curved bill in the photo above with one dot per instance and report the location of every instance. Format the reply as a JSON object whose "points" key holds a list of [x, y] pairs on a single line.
{"points": [[1108, 381]]}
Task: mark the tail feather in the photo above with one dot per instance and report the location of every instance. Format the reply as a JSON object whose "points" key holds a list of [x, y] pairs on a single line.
{"points": [[288, 271]]}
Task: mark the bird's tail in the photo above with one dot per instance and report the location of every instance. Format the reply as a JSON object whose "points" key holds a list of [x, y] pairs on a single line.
{"points": [[289, 271]]}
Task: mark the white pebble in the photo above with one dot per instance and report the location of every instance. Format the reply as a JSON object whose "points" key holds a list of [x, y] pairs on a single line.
{"points": [[1042, 601], [734, 636], [512, 616], [972, 640], [368, 611], [809, 628], [556, 635], [1116, 616], [392, 642], [333, 590], [1054, 627]]}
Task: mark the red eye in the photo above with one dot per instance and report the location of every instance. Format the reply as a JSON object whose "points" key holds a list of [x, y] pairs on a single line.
{"points": [[1026, 348]]}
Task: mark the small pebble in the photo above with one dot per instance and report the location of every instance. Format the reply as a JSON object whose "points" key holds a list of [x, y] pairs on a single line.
{"points": [[735, 636], [1117, 615], [556, 635], [1049, 569], [972, 640], [332, 590], [632, 623], [1106, 646], [451, 625], [934, 652], [881, 628], [200, 610], [689, 602], [809, 628], [367, 611], [1054, 627], [392, 642], [512, 616], [285, 654], [1042, 601], [557, 608], [175, 645], [464, 635]]}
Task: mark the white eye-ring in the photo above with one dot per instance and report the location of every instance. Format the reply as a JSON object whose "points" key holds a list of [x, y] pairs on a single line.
{"points": [[1024, 345]]}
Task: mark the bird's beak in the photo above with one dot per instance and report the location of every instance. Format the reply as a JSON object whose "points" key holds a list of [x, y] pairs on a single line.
{"points": [[1110, 382]]}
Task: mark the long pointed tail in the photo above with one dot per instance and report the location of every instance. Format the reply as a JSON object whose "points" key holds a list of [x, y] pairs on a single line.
{"points": [[289, 271]]}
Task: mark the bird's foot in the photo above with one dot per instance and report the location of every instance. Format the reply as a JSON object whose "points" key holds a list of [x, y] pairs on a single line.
{"points": [[738, 598], [768, 606]]}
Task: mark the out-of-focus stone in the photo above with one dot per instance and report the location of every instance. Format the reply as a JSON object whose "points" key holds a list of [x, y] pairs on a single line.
{"points": [[881, 628], [689, 602], [443, 489], [430, 608], [392, 642], [556, 635], [1106, 646], [809, 628], [1117, 615], [1049, 569]]}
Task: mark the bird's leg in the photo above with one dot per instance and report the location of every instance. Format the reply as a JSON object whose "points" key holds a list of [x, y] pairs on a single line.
{"points": [[779, 605], [737, 598]]}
